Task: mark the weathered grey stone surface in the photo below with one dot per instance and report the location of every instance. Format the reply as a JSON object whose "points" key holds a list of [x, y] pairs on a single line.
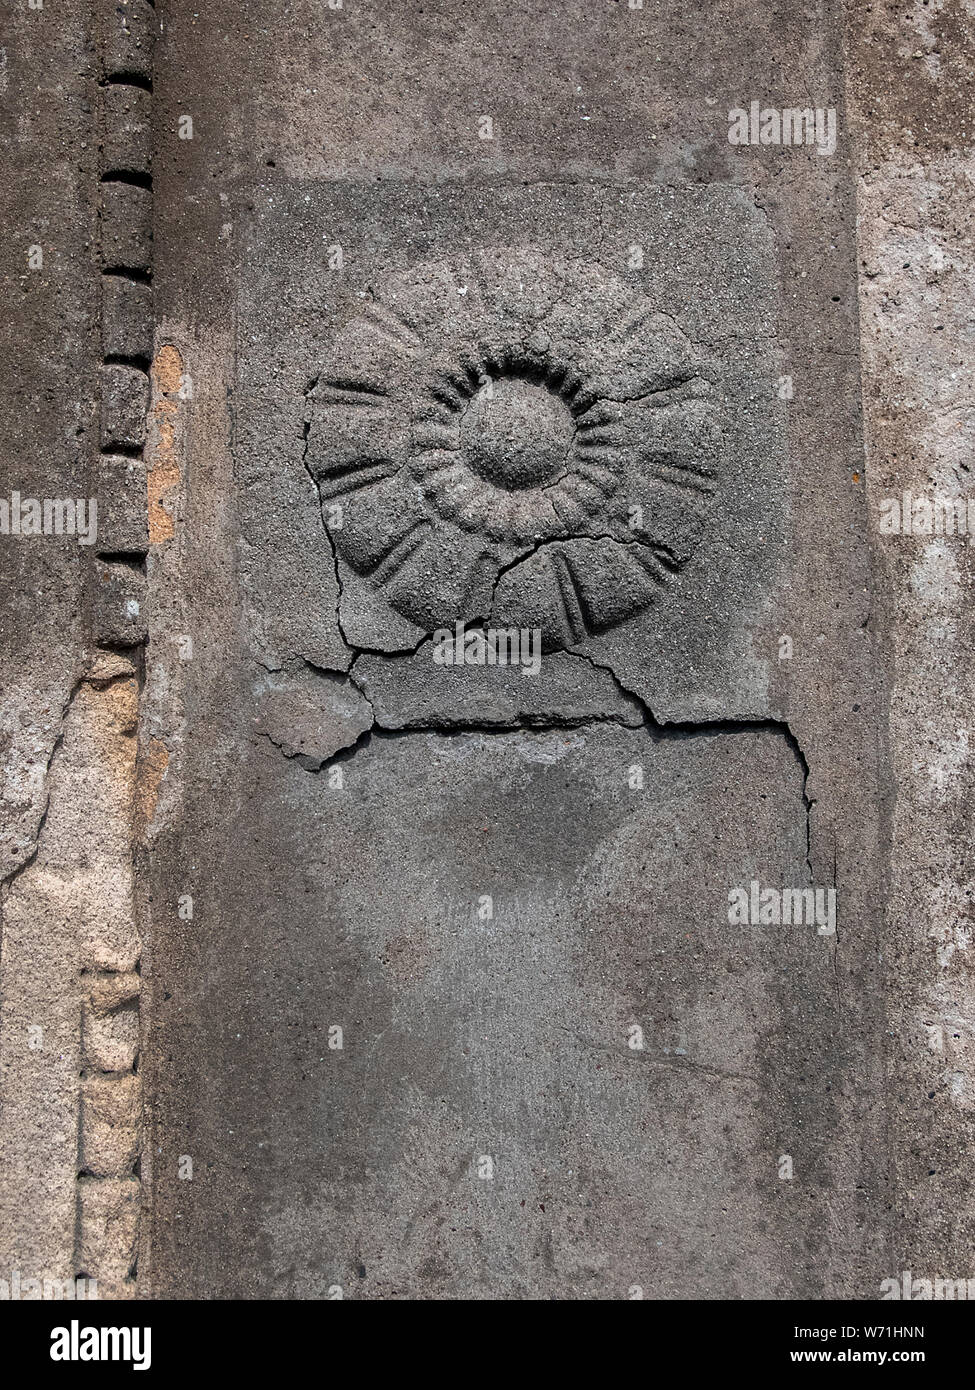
{"points": [[506, 1038], [630, 350], [362, 973], [48, 428], [411, 691], [338, 313], [71, 387], [910, 82]]}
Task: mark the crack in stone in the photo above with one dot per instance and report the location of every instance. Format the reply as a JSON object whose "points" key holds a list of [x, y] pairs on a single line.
{"points": [[666, 1063], [9, 878], [542, 726], [657, 729], [690, 728], [331, 544]]}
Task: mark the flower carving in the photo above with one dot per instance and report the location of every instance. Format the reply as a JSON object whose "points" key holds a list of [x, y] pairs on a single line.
{"points": [[513, 438]]}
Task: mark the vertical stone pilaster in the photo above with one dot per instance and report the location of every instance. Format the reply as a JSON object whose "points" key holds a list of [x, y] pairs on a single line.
{"points": [[110, 1124]]}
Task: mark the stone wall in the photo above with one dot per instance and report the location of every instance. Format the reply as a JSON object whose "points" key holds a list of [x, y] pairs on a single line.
{"points": [[330, 965]]}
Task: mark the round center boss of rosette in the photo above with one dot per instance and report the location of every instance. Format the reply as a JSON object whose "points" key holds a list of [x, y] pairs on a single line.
{"points": [[517, 434]]}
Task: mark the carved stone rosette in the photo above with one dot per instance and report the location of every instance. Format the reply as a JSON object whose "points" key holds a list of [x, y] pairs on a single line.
{"points": [[516, 439]]}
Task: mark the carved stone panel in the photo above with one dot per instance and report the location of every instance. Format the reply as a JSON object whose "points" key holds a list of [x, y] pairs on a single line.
{"points": [[518, 434], [488, 1029]]}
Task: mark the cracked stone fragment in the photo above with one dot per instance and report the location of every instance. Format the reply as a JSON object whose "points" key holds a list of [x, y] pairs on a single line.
{"points": [[108, 1222], [127, 327], [109, 990], [119, 603], [126, 227], [574, 588], [107, 665], [122, 522], [125, 397], [111, 1116], [412, 692], [367, 620], [126, 128], [310, 716], [126, 32], [111, 1041]]}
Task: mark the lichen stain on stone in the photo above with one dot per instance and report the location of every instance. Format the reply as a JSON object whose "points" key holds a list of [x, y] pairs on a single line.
{"points": [[162, 466], [152, 768], [167, 369], [121, 707]]}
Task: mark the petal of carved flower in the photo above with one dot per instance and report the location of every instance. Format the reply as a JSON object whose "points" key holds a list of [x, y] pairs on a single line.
{"points": [[575, 588], [431, 301], [666, 521], [354, 445], [367, 354], [646, 352], [679, 442], [579, 319], [515, 288], [448, 576], [379, 526]]}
